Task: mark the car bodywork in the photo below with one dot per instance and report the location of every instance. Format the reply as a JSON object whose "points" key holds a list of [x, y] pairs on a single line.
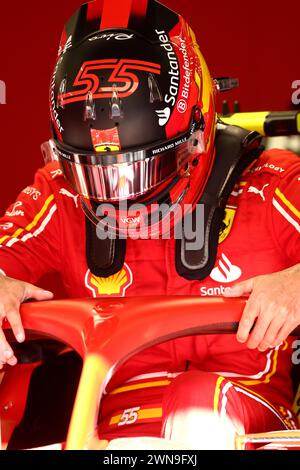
{"points": [[99, 332]]}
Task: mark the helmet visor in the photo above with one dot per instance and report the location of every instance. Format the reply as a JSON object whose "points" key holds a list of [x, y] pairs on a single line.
{"points": [[116, 176]]}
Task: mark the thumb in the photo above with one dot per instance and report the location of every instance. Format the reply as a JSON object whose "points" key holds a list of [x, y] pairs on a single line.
{"points": [[36, 293], [240, 289]]}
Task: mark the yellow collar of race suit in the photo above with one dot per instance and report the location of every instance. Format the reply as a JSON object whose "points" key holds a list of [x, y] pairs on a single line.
{"points": [[236, 149]]}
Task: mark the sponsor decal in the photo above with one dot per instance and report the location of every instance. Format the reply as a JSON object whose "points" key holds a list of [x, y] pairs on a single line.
{"points": [[212, 291], [2, 92], [6, 226], [56, 173], [131, 220], [171, 97], [53, 108], [32, 192], [122, 80], [182, 104], [267, 165], [67, 193], [164, 116], [115, 285], [174, 72], [109, 36], [129, 416], [171, 146], [260, 192], [227, 223], [106, 140], [64, 155], [63, 49], [225, 271], [15, 212]]}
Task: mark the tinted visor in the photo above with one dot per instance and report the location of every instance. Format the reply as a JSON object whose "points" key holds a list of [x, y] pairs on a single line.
{"points": [[116, 176]]}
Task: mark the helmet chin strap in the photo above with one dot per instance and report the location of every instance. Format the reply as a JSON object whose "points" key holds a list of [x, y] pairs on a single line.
{"points": [[105, 256], [236, 149]]}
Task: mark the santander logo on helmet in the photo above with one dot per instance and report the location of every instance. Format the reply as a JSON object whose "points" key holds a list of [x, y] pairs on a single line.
{"points": [[164, 116], [170, 98]]}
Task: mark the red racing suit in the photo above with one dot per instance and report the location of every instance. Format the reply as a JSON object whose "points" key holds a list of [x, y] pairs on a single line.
{"points": [[44, 231]]}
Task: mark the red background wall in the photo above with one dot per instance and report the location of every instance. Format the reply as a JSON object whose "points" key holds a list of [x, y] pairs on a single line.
{"points": [[255, 41]]}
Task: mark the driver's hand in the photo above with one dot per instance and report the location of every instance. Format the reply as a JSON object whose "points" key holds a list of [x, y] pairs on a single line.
{"points": [[12, 294], [273, 309]]}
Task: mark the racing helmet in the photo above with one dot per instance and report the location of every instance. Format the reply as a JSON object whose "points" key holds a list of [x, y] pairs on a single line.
{"points": [[132, 112]]}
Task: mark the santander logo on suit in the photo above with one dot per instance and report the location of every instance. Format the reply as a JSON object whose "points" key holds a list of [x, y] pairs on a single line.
{"points": [[224, 272]]}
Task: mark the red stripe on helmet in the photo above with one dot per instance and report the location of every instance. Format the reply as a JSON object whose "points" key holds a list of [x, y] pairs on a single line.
{"points": [[116, 16], [94, 10], [139, 8]]}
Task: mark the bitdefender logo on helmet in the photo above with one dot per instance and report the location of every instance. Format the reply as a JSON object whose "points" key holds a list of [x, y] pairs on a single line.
{"points": [[2, 92]]}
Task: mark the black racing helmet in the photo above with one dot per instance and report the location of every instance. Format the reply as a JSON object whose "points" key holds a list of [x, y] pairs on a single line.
{"points": [[132, 103]]}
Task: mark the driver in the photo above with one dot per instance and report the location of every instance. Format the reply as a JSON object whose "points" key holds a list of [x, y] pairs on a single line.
{"points": [[139, 152]]}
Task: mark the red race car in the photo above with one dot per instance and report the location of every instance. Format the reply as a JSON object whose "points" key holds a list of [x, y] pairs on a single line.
{"points": [[52, 397]]}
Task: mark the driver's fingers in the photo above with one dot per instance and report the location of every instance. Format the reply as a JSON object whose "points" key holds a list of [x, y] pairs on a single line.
{"points": [[6, 352], [12, 313], [36, 293], [250, 313], [12, 361]]}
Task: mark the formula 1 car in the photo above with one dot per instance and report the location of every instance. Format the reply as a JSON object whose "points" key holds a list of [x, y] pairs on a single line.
{"points": [[52, 397]]}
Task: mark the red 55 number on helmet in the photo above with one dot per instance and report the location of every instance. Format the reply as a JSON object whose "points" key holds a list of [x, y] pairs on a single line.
{"points": [[121, 79]]}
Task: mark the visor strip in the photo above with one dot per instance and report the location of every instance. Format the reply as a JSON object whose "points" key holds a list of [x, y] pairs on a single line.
{"points": [[94, 10]]}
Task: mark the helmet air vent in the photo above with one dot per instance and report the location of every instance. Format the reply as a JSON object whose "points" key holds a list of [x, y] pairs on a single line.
{"points": [[89, 109], [61, 93], [116, 110], [155, 94]]}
